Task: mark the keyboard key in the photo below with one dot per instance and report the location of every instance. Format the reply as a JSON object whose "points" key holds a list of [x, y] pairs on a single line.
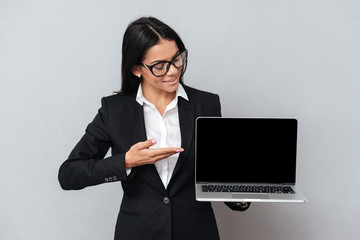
{"points": [[247, 189]]}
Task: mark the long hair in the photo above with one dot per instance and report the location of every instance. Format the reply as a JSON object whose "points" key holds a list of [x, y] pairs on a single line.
{"points": [[139, 36]]}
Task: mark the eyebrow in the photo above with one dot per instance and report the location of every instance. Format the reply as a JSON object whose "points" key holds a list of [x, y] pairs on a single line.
{"points": [[159, 61]]}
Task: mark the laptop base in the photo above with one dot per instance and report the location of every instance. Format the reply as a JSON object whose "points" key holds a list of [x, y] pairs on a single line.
{"points": [[297, 197]]}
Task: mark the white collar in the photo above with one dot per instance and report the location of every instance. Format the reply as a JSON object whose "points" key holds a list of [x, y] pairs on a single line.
{"points": [[180, 92]]}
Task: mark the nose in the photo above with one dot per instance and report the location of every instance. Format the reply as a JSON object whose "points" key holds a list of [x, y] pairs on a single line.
{"points": [[172, 70]]}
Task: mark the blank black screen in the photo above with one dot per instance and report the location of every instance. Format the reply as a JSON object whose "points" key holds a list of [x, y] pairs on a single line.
{"points": [[246, 150]]}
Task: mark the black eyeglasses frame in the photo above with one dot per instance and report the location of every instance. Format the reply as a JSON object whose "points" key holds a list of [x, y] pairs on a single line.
{"points": [[150, 67]]}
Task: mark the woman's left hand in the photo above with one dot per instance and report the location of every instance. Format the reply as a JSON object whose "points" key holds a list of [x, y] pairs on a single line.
{"points": [[238, 206]]}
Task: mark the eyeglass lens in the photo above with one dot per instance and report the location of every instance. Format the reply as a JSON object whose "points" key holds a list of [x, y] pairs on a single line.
{"points": [[163, 67]]}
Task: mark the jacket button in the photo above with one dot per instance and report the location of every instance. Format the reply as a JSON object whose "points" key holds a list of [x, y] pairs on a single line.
{"points": [[166, 200]]}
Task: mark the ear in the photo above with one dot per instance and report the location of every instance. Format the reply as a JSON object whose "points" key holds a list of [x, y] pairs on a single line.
{"points": [[136, 70]]}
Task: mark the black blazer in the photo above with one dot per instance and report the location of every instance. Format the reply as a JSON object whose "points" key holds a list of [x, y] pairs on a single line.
{"points": [[148, 210]]}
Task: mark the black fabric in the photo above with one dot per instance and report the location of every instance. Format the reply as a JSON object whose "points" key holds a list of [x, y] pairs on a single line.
{"points": [[238, 206], [144, 213]]}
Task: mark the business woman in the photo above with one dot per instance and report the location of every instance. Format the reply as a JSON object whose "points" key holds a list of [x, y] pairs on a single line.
{"points": [[149, 126]]}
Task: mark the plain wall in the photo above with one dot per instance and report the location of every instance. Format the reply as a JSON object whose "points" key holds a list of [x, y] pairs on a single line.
{"points": [[263, 57]]}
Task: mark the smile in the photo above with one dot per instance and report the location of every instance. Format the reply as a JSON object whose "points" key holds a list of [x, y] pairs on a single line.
{"points": [[170, 81]]}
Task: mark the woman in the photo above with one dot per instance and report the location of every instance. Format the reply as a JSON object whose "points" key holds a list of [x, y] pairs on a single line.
{"points": [[149, 126]]}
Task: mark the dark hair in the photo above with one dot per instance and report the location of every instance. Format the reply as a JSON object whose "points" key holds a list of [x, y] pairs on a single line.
{"points": [[139, 36]]}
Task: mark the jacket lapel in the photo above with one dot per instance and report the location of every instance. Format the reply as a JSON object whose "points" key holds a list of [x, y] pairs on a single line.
{"points": [[187, 122], [136, 121], [137, 125]]}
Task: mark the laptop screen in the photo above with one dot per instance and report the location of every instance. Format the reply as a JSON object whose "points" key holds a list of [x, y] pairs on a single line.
{"points": [[246, 150]]}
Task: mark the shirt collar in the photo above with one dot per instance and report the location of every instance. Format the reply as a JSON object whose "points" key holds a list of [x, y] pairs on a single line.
{"points": [[180, 92]]}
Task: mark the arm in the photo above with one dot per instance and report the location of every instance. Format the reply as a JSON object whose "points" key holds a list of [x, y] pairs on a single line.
{"points": [[85, 165]]}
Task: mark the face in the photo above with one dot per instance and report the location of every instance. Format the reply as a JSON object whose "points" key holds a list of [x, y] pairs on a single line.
{"points": [[164, 50]]}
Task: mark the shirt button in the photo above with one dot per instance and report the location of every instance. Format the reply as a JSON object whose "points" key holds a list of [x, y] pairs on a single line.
{"points": [[166, 200], [114, 178], [106, 180]]}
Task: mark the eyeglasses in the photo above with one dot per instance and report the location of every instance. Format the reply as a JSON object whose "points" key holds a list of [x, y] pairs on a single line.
{"points": [[161, 68]]}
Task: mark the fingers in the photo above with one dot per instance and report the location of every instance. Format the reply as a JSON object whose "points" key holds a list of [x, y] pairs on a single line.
{"points": [[156, 158], [162, 153], [140, 154], [145, 144], [158, 151], [165, 151], [157, 154]]}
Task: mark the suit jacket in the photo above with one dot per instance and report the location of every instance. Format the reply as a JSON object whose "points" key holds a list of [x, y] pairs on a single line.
{"points": [[148, 210]]}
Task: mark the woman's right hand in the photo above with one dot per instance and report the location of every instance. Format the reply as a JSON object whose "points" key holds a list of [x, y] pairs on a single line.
{"points": [[140, 154]]}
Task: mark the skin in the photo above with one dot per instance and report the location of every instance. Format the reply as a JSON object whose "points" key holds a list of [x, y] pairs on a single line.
{"points": [[160, 91]]}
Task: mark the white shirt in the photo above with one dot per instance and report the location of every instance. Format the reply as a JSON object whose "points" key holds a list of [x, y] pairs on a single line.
{"points": [[165, 129]]}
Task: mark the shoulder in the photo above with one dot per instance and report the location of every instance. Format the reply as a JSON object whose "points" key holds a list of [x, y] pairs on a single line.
{"points": [[206, 103], [199, 95], [117, 100]]}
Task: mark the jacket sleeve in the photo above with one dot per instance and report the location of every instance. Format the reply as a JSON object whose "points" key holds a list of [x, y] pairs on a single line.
{"points": [[86, 165], [238, 206]]}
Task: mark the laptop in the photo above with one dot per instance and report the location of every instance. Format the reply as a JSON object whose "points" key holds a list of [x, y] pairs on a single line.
{"points": [[246, 160]]}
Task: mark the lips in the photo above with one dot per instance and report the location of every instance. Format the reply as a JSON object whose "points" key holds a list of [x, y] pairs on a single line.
{"points": [[170, 81]]}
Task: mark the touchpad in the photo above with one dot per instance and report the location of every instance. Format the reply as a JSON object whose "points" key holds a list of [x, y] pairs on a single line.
{"points": [[250, 196]]}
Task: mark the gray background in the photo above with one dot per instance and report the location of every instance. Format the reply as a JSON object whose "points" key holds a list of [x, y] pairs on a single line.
{"points": [[264, 58]]}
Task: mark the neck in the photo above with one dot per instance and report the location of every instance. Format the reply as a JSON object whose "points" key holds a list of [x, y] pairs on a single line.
{"points": [[159, 98]]}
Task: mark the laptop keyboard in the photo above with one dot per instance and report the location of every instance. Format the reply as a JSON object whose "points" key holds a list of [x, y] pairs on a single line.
{"points": [[247, 189]]}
